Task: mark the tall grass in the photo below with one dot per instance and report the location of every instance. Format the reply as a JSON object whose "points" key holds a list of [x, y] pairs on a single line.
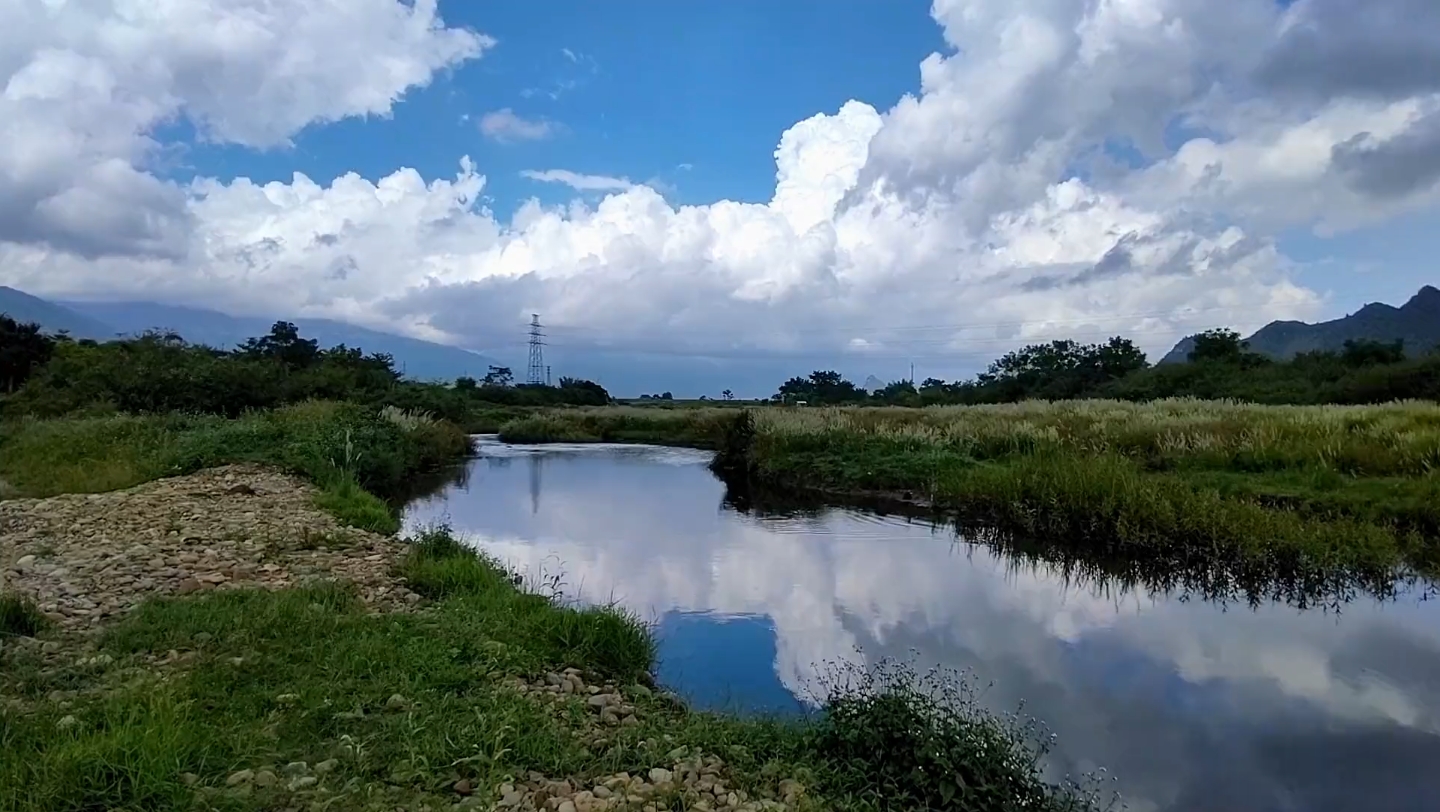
{"points": [[356, 454], [1299, 492], [700, 428]]}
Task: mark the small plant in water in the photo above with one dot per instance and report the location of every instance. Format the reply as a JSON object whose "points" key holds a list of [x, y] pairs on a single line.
{"points": [[921, 741]]}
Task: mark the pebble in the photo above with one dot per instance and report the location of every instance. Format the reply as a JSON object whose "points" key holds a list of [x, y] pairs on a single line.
{"points": [[265, 778], [240, 777], [103, 553]]}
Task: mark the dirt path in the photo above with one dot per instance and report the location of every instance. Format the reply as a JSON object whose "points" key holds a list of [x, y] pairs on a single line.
{"points": [[85, 558]]}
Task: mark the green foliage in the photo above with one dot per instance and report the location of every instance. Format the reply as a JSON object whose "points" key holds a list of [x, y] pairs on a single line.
{"points": [[23, 349], [159, 372], [698, 428], [904, 741], [19, 617], [351, 451], [1303, 494], [823, 386]]}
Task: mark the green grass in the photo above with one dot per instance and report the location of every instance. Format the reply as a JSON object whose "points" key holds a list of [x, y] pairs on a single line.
{"points": [[409, 703], [19, 617], [357, 455], [1301, 493], [698, 428]]}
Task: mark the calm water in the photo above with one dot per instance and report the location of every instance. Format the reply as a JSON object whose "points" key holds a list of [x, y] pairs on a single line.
{"points": [[1190, 704]]}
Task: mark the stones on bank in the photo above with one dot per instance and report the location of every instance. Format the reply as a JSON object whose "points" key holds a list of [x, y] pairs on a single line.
{"points": [[84, 558], [692, 780]]}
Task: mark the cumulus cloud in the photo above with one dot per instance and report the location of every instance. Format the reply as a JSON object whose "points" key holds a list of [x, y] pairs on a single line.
{"points": [[86, 85], [506, 126], [991, 207], [577, 181]]}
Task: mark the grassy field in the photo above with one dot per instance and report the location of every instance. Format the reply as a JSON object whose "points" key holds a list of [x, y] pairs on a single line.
{"points": [[375, 711], [358, 456], [1299, 492], [695, 427]]}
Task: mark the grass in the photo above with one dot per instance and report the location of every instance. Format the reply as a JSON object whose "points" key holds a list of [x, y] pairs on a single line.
{"points": [[1301, 492], [407, 704], [356, 455], [19, 617], [698, 428]]}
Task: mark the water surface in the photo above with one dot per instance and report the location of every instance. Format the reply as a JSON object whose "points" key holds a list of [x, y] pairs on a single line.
{"points": [[1191, 704]]}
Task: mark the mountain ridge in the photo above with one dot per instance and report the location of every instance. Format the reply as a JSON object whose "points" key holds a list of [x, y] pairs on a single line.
{"points": [[1416, 323], [51, 316]]}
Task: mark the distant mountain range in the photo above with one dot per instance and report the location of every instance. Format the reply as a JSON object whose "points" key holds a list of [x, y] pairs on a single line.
{"points": [[1417, 323], [52, 317], [420, 360]]}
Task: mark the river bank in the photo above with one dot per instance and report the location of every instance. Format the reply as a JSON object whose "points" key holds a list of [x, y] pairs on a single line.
{"points": [[1304, 494], [218, 638]]}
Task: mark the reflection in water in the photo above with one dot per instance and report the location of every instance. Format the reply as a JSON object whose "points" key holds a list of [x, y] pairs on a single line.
{"points": [[1194, 704]]}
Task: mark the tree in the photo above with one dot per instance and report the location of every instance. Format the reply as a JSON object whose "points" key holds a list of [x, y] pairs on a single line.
{"points": [[465, 384], [499, 376], [727, 395], [666, 396], [283, 344], [1365, 352], [823, 386], [24, 349]]}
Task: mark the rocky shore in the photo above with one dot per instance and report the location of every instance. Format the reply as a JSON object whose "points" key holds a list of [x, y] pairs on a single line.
{"points": [[85, 558]]}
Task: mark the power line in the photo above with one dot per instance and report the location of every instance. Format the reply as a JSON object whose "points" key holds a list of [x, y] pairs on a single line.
{"points": [[537, 372]]}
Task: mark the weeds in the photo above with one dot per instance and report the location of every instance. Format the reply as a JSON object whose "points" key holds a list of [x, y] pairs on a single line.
{"points": [[356, 456], [19, 617], [900, 740]]}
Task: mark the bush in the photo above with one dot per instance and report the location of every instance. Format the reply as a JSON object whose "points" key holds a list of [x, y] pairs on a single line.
{"points": [[901, 741]]}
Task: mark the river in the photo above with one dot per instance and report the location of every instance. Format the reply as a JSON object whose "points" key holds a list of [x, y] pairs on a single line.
{"points": [[1190, 704]]}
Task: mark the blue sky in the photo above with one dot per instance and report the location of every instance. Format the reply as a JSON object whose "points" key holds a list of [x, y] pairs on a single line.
{"points": [[951, 225], [694, 95], [691, 99]]}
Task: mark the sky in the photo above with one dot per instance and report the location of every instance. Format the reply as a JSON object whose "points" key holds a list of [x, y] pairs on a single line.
{"points": [[862, 185]]}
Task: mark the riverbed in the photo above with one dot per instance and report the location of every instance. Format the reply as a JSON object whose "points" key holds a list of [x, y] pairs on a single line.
{"points": [[1189, 702]]}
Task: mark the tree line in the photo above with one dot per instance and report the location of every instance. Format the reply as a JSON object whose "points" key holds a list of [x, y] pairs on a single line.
{"points": [[1221, 365], [51, 375]]}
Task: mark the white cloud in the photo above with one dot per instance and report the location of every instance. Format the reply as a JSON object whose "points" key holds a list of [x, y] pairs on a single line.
{"points": [[577, 181], [506, 126], [985, 210], [86, 85]]}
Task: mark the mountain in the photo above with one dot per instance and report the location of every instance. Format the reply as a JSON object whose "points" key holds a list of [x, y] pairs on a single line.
{"points": [[1417, 323], [51, 317], [419, 360]]}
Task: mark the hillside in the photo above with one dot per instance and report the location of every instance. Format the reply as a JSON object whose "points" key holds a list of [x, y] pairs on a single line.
{"points": [[51, 317], [1417, 323], [419, 360]]}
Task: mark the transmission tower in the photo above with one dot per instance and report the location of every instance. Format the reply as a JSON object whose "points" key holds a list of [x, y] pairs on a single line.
{"points": [[536, 375]]}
